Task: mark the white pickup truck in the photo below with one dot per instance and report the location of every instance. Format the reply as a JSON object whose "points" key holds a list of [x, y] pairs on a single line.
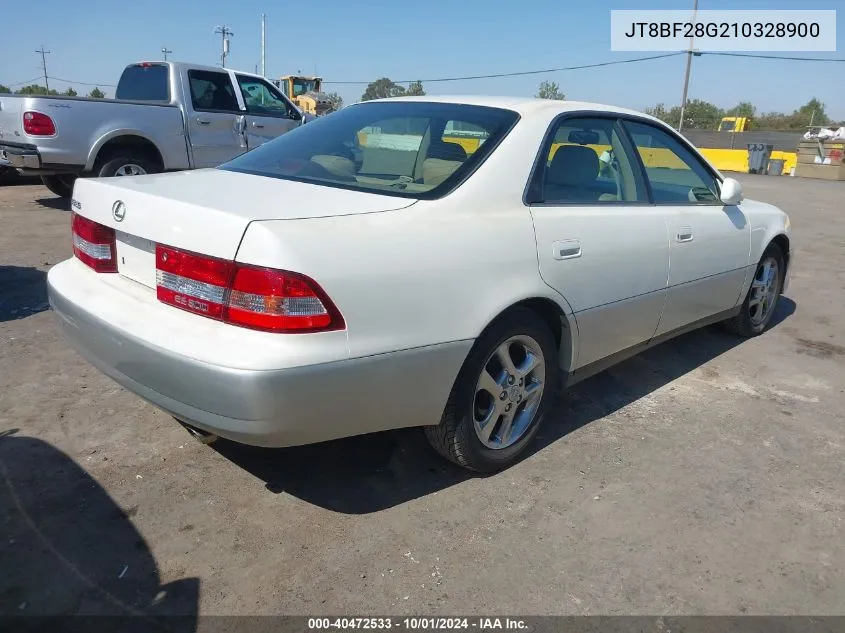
{"points": [[165, 116]]}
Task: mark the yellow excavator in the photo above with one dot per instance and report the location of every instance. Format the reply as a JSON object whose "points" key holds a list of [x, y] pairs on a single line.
{"points": [[306, 92], [735, 124]]}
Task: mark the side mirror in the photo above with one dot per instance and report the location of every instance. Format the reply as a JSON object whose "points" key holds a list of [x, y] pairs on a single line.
{"points": [[731, 192]]}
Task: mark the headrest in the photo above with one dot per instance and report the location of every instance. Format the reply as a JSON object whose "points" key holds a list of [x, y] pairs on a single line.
{"points": [[447, 151], [573, 165]]}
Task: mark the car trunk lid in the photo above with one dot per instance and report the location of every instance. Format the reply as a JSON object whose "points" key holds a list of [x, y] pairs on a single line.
{"points": [[205, 211]]}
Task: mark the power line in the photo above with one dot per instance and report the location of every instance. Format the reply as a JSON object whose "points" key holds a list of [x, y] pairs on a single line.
{"points": [[21, 83], [782, 57], [518, 74], [82, 83]]}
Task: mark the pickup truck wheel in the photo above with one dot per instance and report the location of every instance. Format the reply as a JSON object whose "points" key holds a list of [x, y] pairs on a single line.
{"points": [[126, 166], [61, 185], [501, 395]]}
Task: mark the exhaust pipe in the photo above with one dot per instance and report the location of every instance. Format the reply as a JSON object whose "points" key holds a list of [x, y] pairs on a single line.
{"points": [[203, 437]]}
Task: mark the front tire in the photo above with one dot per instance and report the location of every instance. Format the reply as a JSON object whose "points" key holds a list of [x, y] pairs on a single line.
{"points": [[761, 301], [61, 185], [501, 394]]}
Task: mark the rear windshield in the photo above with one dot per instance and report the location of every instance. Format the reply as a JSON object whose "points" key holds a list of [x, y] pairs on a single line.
{"points": [[144, 82], [410, 149]]}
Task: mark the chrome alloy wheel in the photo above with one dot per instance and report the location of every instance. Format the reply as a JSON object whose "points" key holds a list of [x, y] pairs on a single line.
{"points": [[130, 169], [764, 291], [508, 392]]}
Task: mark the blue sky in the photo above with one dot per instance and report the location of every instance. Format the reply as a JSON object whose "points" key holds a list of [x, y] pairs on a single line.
{"points": [[92, 40]]}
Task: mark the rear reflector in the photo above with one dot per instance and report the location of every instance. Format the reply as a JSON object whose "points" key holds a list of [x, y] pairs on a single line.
{"points": [[248, 296], [37, 124], [94, 244]]}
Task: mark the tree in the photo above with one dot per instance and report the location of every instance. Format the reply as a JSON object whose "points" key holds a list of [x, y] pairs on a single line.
{"points": [[35, 89], [550, 90], [336, 100], [96, 93], [813, 109], [70, 92], [670, 116], [702, 115], [382, 89], [415, 89], [4, 89], [742, 109]]}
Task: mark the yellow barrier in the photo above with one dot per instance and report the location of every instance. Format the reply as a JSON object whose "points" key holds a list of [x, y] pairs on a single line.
{"points": [[721, 159], [737, 159]]}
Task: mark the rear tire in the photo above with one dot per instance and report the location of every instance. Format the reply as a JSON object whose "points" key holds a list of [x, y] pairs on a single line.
{"points": [[126, 165], [513, 414], [760, 303], [61, 184]]}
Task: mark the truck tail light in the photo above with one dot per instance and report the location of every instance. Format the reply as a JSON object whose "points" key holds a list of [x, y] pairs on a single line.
{"points": [[94, 244], [37, 124], [247, 296]]}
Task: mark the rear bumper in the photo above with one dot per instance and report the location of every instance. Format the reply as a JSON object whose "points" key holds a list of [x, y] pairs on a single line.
{"points": [[29, 160], [20, 156], [264, 407]]}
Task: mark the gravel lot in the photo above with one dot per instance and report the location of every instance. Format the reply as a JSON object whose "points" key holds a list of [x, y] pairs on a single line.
{"points": [[706, 476]]}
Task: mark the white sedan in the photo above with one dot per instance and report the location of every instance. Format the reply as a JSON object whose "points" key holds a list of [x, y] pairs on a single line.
{"points": [[433, 262]]}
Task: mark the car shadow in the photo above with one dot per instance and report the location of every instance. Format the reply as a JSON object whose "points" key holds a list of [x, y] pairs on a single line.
{"points": [[60, 204], [23, 291], [368, 473], [69, 550]]}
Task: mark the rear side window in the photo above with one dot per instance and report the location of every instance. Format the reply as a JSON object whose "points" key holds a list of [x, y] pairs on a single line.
{"points": [[144, 82], [411, 149], [212, 91], [587, 163]]}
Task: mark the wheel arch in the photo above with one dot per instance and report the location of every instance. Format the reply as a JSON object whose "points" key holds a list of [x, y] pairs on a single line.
{"points": [[109, 144], [561, 322]]}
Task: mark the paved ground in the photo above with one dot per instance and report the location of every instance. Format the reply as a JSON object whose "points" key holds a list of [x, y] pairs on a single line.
{"points": [[703, 477]]}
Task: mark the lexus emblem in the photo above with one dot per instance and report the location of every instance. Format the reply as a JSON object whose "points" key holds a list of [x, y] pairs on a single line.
{"points": [[118, 211]]}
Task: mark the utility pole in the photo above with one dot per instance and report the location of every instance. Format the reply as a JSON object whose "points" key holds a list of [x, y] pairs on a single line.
{"points": [[263, 46], [689, 65], [225, 34], [165, 51], [44, 65]]}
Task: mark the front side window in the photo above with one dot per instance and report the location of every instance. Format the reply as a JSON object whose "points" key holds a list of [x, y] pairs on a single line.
{"points": [[395, 148], [302, 86], [675, 174], [260, 99], [212, 91], [587, 163]]}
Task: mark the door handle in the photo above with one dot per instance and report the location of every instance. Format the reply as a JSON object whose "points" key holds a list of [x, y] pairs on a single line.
{"points": [[685, 234], [257, 124], [566, 249], [203, 121]]}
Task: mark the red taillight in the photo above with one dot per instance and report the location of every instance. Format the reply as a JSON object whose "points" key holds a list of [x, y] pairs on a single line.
{"points": [[248, 296], [192, 282], [94, 244], [37, 124]]}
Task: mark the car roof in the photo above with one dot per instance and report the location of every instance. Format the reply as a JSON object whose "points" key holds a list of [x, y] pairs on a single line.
{"points": [[525, 106]]}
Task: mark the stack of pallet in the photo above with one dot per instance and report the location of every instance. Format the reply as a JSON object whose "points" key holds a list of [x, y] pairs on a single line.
{"points": [[821, 159]]}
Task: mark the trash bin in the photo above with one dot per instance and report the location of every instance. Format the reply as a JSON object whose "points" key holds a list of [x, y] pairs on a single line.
{"points": [[776, 167], [758, 157]]}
